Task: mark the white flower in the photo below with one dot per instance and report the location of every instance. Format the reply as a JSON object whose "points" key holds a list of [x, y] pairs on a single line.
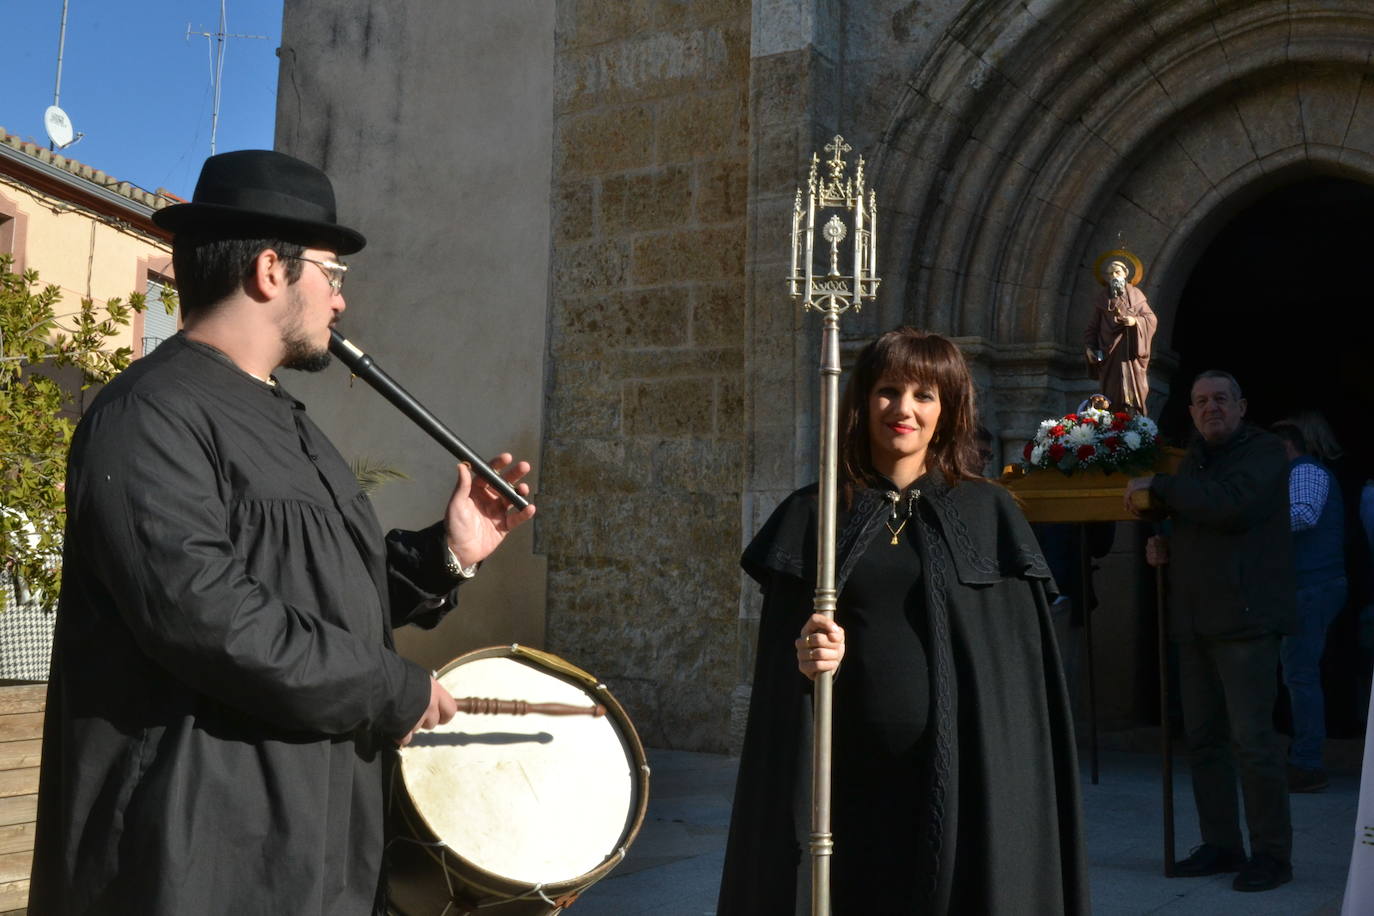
{"points": [[1081, 435], [1096, 415], [1132, 439], [1146, 426], [1047, 425], [1036, 454]]}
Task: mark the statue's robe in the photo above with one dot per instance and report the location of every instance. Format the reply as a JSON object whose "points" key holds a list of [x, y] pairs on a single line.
{"points": [[1123, 371]]}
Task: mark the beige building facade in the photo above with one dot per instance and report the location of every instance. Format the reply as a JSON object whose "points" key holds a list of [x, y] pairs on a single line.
{"points": [[623, 173], [84, 231]]}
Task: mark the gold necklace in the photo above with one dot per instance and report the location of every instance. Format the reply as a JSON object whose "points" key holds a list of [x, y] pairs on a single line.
{"points": [[896, 499]]}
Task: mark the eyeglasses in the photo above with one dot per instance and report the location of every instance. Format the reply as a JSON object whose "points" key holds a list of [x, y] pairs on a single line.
{"points": [[333, 270]]}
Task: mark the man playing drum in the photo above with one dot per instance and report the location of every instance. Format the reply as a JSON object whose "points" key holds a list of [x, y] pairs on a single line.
{"points": [[225, 693]]}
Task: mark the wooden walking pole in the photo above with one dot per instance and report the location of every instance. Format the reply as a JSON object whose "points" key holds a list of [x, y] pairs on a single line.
{"points": [[832, 293], [1166, 738], [1085, 574]]}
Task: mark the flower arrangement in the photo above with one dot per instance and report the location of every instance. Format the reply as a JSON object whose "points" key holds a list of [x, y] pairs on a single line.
{"points": [[1094, 438]]}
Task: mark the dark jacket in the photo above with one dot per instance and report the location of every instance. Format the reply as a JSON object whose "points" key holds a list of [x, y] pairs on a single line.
{"points": [[1002, 823], [224, 693], [1230, 552]]}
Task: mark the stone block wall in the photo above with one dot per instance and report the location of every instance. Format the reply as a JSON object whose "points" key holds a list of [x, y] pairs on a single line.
{"points": [[645, 443]]}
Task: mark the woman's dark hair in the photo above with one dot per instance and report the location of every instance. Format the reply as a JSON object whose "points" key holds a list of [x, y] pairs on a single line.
{"points": [[211, 268], [912, 356]]}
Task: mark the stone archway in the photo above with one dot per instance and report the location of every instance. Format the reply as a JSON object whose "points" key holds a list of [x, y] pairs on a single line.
{"points": [[1024, 145]]}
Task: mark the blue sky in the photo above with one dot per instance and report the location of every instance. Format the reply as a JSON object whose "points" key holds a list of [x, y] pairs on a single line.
{"points": [[137, 87]]}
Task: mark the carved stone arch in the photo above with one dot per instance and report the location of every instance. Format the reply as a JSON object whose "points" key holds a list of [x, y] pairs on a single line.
{"points": [[1024, 144], [1171, 200], [1185, 243]]}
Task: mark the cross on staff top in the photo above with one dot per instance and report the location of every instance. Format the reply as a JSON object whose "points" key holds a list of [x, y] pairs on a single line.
{"points": [[836, 162]]}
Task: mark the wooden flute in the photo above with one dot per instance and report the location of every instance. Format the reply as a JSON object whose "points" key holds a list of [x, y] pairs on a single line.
{"points": [[366, 368]]}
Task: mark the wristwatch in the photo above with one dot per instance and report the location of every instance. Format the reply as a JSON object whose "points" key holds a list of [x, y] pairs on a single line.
{"points": [[455, 569]]}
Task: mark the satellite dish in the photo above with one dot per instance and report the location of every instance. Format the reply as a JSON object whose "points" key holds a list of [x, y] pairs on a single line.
{"points": [[58, 126]]}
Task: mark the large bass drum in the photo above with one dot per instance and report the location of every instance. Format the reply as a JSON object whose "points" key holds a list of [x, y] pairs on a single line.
{"points": [[514, 815]]}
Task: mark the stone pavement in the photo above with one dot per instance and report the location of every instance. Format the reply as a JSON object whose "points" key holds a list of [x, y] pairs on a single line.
{"points": [[674, 867]]}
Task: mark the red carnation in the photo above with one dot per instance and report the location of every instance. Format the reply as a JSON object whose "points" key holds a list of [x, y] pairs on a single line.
{"points": [[1085, 452], [1071, 418], [1120, 421], [1026, 452], [1057, 431], [1112, 442], [1057, 451]]}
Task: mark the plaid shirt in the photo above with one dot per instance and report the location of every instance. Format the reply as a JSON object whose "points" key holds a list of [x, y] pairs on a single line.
{"points": [[1308, 485]]}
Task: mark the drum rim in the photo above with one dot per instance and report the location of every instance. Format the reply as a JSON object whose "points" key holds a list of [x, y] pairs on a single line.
{"points": [[502, 885]]}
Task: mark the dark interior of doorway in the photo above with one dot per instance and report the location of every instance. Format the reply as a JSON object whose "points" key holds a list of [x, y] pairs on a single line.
{"points": [[1282, 298]]}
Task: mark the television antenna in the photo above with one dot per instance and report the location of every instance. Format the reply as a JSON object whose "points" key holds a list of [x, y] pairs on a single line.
{"points": [[55, 120], [217, 64]]}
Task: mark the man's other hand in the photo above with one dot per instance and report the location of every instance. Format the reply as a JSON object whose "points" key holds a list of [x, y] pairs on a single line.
{"points": [[1132, 487], [441, 708]]}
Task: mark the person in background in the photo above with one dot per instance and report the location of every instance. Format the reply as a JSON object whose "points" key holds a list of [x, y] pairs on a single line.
{"points": [[987, 452], [1359, 885], [1231, 598], [1317, 519]]}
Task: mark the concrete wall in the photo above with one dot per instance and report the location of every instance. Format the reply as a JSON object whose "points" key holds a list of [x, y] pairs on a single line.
{"points": [[434, 121]]}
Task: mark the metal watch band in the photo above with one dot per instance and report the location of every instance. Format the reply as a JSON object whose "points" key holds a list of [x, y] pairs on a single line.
{"points": [[456, 569]]}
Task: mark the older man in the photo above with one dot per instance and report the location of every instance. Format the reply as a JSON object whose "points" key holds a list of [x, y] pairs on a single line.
{"points": [[1230, 601]]}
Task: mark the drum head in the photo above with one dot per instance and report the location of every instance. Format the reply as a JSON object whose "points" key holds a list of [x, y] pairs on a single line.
{"points": [[536, 799]]}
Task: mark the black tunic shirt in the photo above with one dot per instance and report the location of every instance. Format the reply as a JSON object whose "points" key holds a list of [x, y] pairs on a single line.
{"points": [[224, 688], [882, 703]]}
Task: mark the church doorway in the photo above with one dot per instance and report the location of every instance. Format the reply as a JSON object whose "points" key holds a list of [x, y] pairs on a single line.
{"points": [[1281, 298]]}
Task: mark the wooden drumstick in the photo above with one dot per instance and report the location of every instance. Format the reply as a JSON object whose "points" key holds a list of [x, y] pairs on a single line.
{"points": [[488, 706]]}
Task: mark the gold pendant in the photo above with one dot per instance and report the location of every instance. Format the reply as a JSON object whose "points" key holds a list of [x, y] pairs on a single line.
{"points": [[894, 540]]}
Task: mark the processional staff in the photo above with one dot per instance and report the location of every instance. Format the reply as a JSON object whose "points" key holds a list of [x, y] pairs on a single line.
{"points": [[831, 293]]}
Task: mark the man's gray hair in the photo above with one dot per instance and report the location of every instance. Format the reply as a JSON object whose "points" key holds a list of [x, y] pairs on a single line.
{"points": [[1217, 373]]}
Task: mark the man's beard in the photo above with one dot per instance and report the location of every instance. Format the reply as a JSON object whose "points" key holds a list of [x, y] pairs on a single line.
{"points": [[1118, 287], [300, 353]]}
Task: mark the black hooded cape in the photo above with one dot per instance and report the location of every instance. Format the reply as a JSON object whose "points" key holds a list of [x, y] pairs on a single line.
{"points": [[1001, 830], [224, 694]]}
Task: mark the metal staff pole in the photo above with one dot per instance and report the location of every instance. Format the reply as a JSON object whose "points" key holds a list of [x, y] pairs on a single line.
{"points": [[832, 294]]}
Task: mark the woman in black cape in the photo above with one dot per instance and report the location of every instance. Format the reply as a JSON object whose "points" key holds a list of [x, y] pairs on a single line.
{"points": [[955, 776]]}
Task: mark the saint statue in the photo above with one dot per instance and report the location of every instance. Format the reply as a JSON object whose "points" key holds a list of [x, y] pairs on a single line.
{"points": [[1117, 339]]}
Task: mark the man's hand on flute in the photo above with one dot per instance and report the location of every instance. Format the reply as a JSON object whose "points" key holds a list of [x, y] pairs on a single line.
{"points": [[478, 518], [820, 646]]}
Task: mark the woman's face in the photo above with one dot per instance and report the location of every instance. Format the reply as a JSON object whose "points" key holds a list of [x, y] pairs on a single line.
{"points": [[902, 417]]}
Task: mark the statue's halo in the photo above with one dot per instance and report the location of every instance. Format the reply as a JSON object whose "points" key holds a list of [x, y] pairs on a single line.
{"points": [[1135, 271]]}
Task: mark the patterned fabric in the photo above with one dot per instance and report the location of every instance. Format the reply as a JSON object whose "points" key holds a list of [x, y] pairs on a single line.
{"points": [[25, 637], [1308, 486]]}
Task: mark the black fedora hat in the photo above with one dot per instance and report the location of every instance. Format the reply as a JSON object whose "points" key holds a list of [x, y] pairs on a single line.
{"points": [[259, 192]]}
